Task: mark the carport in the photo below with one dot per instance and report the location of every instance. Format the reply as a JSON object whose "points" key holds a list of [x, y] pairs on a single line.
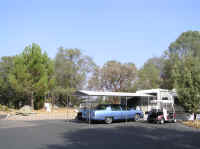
{"points": [[126, 95]]}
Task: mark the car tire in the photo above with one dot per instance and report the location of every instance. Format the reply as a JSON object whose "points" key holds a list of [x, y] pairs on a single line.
{"points": [[108, 120], [136, 117], [174, 121], [162, 121]]}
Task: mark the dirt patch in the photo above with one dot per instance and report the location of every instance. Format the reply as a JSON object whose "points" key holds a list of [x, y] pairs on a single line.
{"points": [[60, 113], [193, 124]]}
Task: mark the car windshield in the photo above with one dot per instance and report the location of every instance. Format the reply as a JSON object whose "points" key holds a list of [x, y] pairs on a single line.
{"points": [[101, 107]]}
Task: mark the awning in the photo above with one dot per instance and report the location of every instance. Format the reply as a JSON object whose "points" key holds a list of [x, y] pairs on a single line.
{"points": [[120, 94]]}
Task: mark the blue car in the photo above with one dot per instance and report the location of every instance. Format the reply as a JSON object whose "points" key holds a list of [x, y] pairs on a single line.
{"points": [[110, 113]]}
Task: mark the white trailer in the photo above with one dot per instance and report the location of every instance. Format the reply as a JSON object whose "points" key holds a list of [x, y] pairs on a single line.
{"points": [[159, 99], [164, 101], [162, 98]]}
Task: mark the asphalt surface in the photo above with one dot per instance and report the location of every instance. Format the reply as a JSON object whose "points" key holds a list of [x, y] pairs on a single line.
{"points": [[61, 134], [2, 116]]}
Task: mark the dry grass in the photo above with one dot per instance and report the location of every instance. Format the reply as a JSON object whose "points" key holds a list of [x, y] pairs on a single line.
{"points": [[10, 111], [60, 113], [193, 124], [43, 111], [59, 110]]}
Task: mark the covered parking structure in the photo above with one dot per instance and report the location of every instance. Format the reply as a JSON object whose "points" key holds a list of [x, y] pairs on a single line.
{"points": [[126, 95]]}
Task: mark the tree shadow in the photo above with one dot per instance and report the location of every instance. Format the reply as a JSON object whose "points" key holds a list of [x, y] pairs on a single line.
{"points": [[129, 137]]}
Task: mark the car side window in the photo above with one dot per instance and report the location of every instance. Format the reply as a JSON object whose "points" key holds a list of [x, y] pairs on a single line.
{"points": [[101, 107], [124, 108], [115, 108]]}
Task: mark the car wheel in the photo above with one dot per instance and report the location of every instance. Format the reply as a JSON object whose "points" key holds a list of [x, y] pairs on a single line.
{"points": [[136, 117], [174, 121], [162, 121], [108, 120]]}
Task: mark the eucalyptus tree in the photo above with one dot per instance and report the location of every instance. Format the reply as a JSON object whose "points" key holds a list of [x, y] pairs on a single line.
{"points": [[71, 72], [114, 76]]}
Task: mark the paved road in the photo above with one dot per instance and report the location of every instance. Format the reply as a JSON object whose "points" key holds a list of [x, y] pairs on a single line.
{"points": [[2, 116], [59, 134]]}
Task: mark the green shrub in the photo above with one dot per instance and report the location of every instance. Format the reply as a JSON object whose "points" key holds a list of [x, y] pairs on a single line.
{"points": [[4, 108]]}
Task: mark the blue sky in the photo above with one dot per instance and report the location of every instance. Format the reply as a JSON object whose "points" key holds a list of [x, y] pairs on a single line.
{"points": [[122, 30]]}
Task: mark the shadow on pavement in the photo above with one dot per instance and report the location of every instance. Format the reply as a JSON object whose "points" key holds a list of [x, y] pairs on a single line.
{"points": [[129, 137]]}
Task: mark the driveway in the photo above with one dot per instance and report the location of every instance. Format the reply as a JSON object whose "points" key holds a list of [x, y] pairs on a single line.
{"points": [[61, 134]]}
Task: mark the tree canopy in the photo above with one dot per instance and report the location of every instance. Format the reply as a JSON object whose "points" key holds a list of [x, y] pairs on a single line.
{"points": [[185, 70], [71, 70], [6, 91], [32, 74], [187, 43], [114, 76], [149, 76], [186, 74]]}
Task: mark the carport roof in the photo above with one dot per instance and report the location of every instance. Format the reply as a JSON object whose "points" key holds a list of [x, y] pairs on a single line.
{"points": [[100, 93]]}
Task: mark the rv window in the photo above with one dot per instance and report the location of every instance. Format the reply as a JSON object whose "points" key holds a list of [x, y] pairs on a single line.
{"points": [[165, 98], [152, 98], [153, 94]]}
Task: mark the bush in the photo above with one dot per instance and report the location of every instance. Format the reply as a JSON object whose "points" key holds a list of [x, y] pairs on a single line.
{"points": [[3, 108], [39, 103]]}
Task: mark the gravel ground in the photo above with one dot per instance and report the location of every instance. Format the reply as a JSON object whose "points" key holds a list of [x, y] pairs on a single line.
{"points": [[62, 134]]}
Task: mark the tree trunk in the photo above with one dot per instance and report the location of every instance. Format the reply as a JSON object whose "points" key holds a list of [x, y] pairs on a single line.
{"points": [[52, 101], [32, 101], [116, 100], [195, 116]]}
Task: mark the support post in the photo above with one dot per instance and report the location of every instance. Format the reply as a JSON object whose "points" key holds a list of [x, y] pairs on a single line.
{"points": [[126, 110], [148, 105], [67, 109], [89, 113]]}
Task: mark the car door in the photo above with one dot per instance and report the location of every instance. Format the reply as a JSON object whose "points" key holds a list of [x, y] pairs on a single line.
{"points": [[116, 112], [126, 114]]}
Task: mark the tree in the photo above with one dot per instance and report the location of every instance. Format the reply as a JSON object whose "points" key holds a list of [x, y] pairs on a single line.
{"points": [[95, 81], [167, 79], [186, 74], [182, 69], [114, 76], [71, 71], [149, 76], [6, 92], [32, 74], [187, 43]]}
